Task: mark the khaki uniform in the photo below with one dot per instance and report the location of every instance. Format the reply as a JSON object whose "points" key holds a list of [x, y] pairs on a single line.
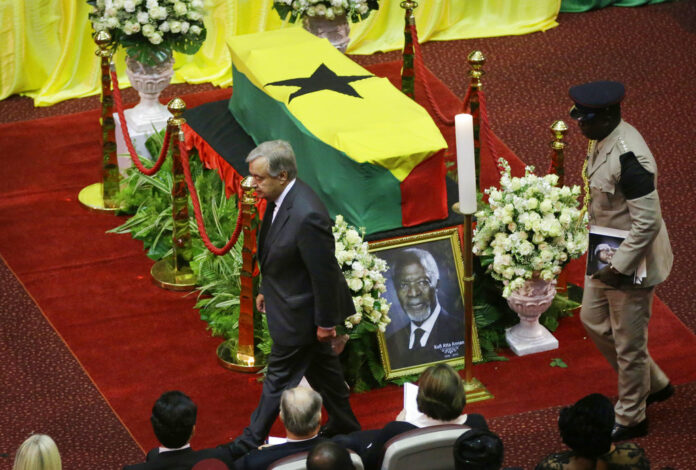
{"points": [[617, 319]]}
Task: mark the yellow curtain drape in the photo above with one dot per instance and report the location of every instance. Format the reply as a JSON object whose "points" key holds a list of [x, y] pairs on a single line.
{"points": [[47, 52]]}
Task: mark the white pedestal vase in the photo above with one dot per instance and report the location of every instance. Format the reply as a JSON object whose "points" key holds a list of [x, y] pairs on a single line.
{"points": [[529, 302], [149, 80], [337, 31]]}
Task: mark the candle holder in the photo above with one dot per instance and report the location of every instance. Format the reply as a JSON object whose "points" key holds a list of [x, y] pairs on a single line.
{"points": [[475, 390]]}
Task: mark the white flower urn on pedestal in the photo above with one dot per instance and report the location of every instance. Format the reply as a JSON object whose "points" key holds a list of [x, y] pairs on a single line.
{"points": [[336, 30], [529, 302], [149, 80]]}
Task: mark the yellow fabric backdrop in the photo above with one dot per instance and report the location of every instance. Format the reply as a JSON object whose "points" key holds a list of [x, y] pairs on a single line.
{"points": [[47, 52]]}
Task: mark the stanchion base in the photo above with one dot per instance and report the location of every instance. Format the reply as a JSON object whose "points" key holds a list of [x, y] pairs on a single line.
{"points": [[165, 276], [92, 197], [228, 359], [476, 391]]}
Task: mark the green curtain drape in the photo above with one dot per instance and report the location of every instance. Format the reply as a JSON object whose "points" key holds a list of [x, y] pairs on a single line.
{"points": [[576, 6], [47, 52]]}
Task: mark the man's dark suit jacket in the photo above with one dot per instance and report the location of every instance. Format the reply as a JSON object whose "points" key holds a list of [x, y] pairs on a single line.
{"points": [[183, 459], [448, 329], [299, 270], [261, 459]]}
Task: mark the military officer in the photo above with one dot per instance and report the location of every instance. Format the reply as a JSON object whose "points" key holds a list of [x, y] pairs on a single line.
{"points": [[622, 177]]}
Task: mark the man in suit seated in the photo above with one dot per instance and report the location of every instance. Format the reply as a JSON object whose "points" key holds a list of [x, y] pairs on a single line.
{"points": [[174, 421], [300, 412], [329, 455], [431, 334]]}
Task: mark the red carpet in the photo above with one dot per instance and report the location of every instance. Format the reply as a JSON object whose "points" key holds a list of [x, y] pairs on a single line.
{"points": [[136, 340]]}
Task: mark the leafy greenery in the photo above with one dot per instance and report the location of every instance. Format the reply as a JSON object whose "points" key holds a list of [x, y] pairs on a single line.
{"points": [[558, 362]]}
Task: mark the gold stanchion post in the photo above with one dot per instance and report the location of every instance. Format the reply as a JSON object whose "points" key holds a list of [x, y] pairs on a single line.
{"points": [[102, 196], [475, 390], [558, 129], [245, 358], [407, 70], [476, 61], [174, 273]]}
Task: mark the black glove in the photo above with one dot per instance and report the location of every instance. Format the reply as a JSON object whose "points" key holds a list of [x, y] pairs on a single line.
{"points": [[612, 277]]}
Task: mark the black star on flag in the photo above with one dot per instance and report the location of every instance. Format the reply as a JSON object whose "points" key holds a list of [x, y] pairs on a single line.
{"points": [[323, 78]]}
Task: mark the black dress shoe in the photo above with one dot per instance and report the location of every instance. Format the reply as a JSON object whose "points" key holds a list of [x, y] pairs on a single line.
{"points": [[660, 395], [622, 433]]}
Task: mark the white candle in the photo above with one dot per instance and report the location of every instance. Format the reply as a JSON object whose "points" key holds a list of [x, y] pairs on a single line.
{"points": [[466, 166]]}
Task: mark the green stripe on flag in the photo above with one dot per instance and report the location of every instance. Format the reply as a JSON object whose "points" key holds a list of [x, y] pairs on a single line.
{"points": [[366, 195]]}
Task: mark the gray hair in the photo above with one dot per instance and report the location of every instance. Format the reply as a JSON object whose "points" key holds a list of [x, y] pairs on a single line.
{"points": [[603, 247], [279, 155], [424, 258], [300, 410]]}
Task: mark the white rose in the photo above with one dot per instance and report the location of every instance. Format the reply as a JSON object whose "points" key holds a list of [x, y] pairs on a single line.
{"points": [[185, 25], [129, 6], [353, 237], [180, 8], [311, 11], [195, 29], [164, 27], [532, 203], [355, 284], [151, 4], [112, 23], [156, 38], [143, 17], [546, 205], [148, 30], [175, 26]]}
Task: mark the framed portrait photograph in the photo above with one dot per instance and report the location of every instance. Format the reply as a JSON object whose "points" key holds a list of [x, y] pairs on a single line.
{"points": [[425, 286], [603, 243]]}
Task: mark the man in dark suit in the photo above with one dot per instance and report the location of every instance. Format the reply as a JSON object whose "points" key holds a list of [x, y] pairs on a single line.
{"points": [[300, 412], [303, 293], [173, 421], [431, 334]]}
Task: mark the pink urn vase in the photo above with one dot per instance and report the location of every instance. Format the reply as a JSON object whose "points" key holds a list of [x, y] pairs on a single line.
{"points": [[529, 302]]}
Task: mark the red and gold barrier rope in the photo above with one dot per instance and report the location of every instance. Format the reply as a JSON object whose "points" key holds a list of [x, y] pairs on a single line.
{"points": [[126, 136], [199, 215]]}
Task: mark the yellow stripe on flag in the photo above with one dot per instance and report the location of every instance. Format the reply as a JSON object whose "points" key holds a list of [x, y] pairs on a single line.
{"points": [[384, 127]]}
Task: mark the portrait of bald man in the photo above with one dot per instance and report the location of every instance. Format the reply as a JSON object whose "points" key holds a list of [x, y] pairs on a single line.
{"points": [[430, 332]]}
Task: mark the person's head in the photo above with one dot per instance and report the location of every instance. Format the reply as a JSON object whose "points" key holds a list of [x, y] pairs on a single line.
{"points": [[416, 278], [605, 252], [441, 393], [597, 107], [329, 455], [586, 426], [272, 166], [478, 449], [173, 419], [300, 411], [38, 452]]}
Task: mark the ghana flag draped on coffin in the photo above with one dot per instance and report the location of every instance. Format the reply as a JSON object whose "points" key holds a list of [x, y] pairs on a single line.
{"points": [[371, 153]]}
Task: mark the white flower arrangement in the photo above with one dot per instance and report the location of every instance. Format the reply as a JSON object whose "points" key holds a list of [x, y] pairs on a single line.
{"points": [[151, 29], [531, 227], [355, 10], [363, 272]]}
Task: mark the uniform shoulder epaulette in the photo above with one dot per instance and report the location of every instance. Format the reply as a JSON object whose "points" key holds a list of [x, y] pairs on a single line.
{"points": [[623, 147]]}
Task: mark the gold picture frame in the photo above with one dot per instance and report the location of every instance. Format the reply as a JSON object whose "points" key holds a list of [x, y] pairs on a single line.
{"points": [[434, 298]]}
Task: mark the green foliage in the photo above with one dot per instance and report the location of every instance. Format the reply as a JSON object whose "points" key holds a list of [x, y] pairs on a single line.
{"points": [[558, 362]]}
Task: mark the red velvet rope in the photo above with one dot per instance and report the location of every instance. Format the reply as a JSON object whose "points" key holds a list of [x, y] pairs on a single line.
{"points": [[486, 128], [420, 67], [197, 210], [126, 136]]}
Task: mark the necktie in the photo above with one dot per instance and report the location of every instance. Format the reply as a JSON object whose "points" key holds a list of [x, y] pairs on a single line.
{"points": [[266, 225], [417, 335]]}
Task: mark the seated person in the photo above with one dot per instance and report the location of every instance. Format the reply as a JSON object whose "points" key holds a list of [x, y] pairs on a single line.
{"points": [[174, 421], [37, 452], [478, 449], [586, 428], [300, 412], [329, 455], [441, 399]]}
